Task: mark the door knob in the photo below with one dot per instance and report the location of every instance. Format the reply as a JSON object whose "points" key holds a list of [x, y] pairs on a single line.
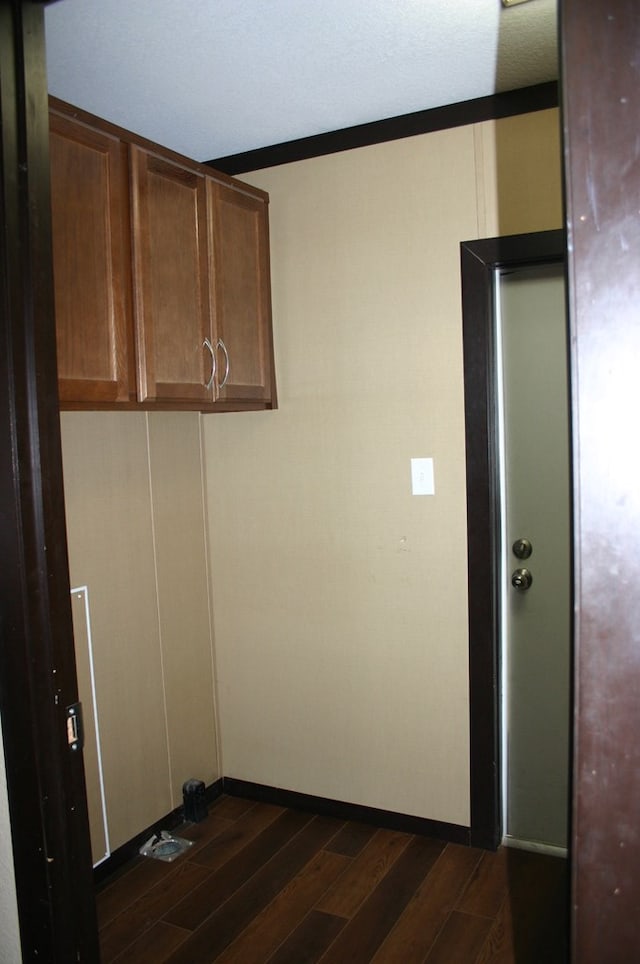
{"points": [[521, 579], [522, 548]]}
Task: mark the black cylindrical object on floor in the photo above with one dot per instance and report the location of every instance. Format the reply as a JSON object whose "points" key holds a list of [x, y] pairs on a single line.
{"points": [[195, 807]]}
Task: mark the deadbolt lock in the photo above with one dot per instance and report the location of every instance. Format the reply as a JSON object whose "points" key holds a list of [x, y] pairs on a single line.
{"points": [[522, 548], [521, 579]]}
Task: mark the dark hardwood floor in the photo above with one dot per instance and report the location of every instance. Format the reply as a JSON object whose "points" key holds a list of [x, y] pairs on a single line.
{"points": [[265, 883]]}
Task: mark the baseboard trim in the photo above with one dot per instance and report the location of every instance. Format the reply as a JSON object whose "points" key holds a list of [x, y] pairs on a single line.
{"points": [[108, 867], [387, 819]]}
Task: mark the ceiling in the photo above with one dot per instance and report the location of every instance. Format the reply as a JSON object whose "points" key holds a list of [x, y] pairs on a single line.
{"points": [[210, 78]]}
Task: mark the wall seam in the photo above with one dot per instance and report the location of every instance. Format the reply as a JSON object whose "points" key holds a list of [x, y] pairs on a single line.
{"points": [[159, 621], [479, 165], [207, 562]]}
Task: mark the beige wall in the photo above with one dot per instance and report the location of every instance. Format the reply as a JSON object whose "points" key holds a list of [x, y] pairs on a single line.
{"points": [[518, 163], [136, 531], [339, 598]]}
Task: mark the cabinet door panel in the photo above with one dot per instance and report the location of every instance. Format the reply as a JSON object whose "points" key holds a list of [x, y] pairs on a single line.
{"points": [[91, 257], [242, 291], [171, 275]]}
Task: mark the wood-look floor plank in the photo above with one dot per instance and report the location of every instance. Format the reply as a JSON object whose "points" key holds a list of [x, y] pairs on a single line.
{"points": [[420, 923], [532, 923], [508, 943], [488, 885], [533, 880], [205, 831], [460, 939], [143, 873], [221, 928], [215, 853], [351, 839], [274, 924], [310, 939], [362, 936], [155, 945], [366, 871], [222, 883], [266, 897], [179, 880], [231, 807], [498, 947]]}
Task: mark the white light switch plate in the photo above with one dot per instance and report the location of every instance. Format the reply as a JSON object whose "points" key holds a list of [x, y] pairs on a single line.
{"points": [[422, 482]]}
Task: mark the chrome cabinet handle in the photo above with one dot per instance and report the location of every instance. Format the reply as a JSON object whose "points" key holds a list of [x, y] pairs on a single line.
{"points": [[207, 344], [221, 344]]}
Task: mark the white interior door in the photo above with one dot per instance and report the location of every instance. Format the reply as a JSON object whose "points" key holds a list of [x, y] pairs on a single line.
{"points": [[536, 619]]}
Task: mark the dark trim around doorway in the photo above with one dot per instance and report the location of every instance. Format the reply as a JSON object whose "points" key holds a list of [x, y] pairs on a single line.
{"points": [[479, 261], [45, 777], [601, 117]]}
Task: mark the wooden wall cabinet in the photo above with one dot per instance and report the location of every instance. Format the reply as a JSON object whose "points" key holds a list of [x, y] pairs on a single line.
{"points": [[161, 269], [92, 262]]}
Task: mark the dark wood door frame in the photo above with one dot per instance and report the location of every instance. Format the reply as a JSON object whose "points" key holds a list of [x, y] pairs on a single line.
{"points": [[480, 260], [601, 119], [45, 778]]}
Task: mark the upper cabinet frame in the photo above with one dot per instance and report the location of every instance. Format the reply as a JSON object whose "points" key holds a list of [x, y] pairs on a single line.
{"points": [[162, 276]]}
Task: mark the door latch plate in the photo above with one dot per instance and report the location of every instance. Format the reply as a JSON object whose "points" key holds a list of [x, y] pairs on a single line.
{"points": [[75, 728]]}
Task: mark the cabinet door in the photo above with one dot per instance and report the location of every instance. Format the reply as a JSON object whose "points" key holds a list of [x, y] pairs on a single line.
{"points": [[91, 261], [240, 228], [171, 274]]}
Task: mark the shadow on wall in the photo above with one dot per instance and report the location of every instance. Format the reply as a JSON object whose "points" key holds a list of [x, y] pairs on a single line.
{"points": [[528, 154], [528, 173]]}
